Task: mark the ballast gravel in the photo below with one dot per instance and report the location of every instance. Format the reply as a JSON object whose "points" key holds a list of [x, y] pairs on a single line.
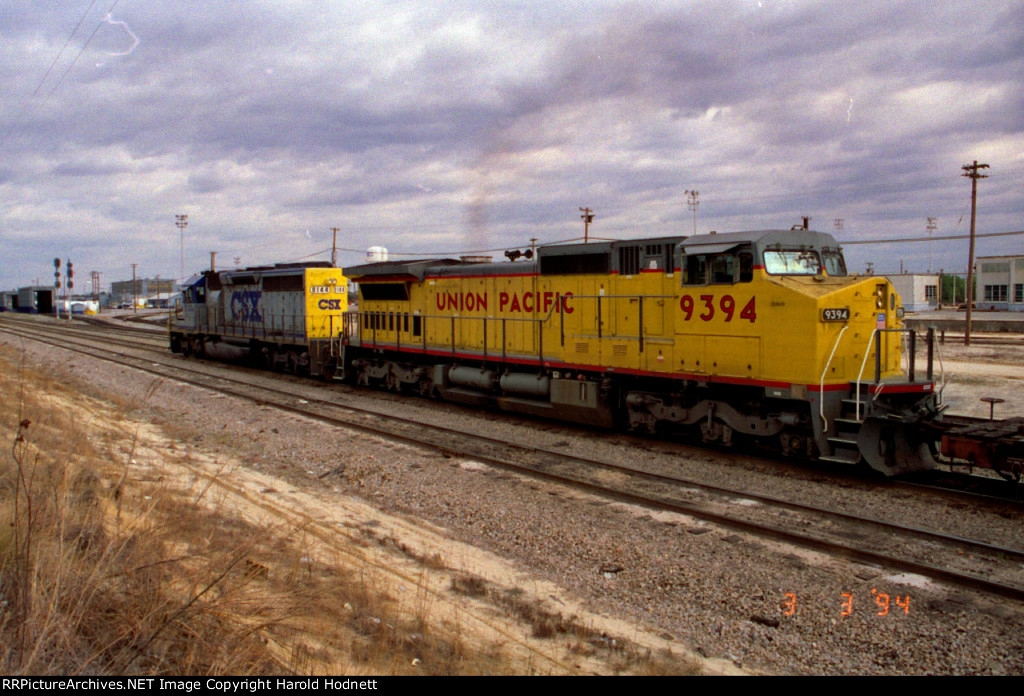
{"points": [[765, 606]]}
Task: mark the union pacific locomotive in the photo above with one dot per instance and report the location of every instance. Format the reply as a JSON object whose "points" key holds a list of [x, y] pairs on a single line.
{"points": [[758, 336], [762, 336]]}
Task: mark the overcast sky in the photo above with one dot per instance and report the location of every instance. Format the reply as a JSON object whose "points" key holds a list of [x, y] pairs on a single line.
{"points": [[446, 127]]}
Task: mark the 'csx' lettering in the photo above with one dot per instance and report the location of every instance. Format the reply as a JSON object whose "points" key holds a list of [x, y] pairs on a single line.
{"points": [[245, 306], [329, 304]]}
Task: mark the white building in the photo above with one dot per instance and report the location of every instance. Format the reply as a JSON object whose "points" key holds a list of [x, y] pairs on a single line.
{"points": [[1000, 282], [918, 292]]}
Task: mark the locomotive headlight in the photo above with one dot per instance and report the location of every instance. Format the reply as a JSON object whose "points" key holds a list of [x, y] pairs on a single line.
{"points": [[879, 297]]}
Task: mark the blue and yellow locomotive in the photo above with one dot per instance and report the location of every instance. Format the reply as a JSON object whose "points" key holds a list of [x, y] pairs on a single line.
{"points": [[282, 316]]}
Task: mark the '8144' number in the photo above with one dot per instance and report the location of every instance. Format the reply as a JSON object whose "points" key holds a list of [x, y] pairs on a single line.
{"points": [[705, 308]]}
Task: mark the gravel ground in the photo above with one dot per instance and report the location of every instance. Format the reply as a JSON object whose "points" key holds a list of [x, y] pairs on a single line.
{"points": [[722, 593]]}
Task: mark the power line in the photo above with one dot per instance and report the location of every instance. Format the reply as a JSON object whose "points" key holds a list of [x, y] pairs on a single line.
{"points": [[75, 60], [926, 239], [21, 111]]}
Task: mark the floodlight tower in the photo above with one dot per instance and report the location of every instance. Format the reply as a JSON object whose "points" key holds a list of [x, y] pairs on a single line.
{"points": [[181, 222]]}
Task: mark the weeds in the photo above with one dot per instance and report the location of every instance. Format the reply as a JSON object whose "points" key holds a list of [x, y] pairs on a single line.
{"points": [[103, 573], [106, 568]]}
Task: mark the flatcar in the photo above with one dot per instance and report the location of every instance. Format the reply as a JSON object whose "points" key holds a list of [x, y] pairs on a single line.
{"points": [[762, 336], [283, 316]]}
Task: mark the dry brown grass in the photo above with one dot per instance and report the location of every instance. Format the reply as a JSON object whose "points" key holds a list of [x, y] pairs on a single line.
{"points": [[107, 567], [101, 573]]}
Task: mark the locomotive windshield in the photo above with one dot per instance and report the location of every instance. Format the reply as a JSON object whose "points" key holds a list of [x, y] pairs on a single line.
{"points": [[792, 262], [835, 265]]}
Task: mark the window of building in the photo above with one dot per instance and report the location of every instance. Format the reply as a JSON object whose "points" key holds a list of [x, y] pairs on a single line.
{"points": [[995, 293], [1018, 292], [931, 292]]}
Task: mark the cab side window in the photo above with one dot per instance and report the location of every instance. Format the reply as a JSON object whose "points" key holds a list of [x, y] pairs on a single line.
{"points": [[723, 269], [694, 270], [719, 269]]}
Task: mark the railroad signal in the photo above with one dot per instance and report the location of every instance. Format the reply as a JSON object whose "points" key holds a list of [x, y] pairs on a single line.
{"points": [[71, 273]]}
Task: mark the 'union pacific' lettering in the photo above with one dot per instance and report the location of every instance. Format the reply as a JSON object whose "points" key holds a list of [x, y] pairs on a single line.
{"points": [[508, 302], [462, 301]]}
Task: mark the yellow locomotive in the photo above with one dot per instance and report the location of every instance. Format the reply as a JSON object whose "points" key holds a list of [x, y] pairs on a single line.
{"points": [[756, 335]]}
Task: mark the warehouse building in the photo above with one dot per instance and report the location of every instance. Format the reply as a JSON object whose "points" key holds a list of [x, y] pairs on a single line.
{"points": [[918, 292], [1000, 283]]}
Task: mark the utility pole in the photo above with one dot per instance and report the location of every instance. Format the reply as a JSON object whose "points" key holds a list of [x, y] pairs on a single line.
{"points": [[971, 172], [587, 217], [334, 248], [932, 226], [692, 203], [135, 291], [181, 222]]}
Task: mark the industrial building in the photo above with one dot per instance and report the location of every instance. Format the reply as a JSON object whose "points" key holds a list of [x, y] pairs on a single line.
{"points": [[918, 291], [1000, 283], [35, 299], [127, 291]]}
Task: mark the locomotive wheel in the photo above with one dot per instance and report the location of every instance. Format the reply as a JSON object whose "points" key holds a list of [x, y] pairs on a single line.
{"points": [[426, 387]]}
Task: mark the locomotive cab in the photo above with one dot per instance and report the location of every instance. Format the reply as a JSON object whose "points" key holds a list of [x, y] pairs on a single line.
{"points": [[188, 314]]}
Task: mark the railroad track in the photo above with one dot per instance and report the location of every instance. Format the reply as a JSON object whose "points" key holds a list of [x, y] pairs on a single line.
{"points": [[968, 563]]}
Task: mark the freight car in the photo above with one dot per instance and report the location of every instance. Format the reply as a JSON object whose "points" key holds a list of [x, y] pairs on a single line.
{"points": [[281, 316], [762, 336]]}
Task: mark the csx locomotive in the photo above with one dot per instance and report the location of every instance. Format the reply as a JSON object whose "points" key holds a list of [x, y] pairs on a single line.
{"points": [[760, 336], [284, 316]]}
